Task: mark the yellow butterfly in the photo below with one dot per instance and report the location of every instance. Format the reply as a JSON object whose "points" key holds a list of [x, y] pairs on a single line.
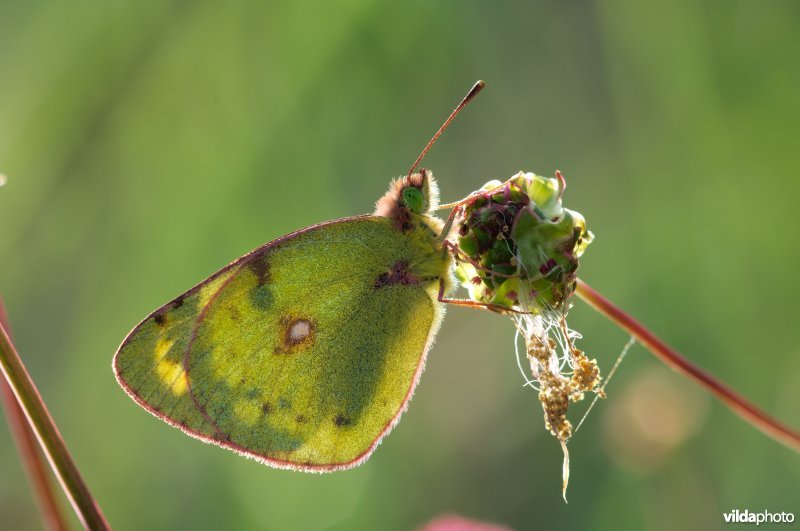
{"points": [[305, 352]]}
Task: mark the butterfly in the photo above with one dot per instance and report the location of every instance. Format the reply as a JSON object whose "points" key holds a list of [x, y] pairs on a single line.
{"points": [[304, 353]]}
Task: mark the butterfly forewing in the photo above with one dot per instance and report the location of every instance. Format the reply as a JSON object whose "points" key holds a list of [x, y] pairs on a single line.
{"points": [[301, 353]]}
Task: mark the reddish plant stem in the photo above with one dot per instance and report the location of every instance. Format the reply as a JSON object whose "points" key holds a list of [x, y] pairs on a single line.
{"points": [[50, 440], [32, 459], [761, 420]]}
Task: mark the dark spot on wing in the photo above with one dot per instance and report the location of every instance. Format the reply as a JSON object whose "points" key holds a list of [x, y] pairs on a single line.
{"points": [[397, 274], [160, 319], [341, 420], [266, 408], [298, 333], [262, 297], [260, 268], [300, 419], [177, 303]]}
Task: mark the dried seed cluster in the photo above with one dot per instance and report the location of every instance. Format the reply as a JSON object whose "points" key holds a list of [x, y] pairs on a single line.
{"points": [[557, 389]]}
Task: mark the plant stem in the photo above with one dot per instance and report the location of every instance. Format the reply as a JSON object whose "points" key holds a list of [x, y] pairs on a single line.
{"points": [[48, 435], [30, 455], [770, 426]]}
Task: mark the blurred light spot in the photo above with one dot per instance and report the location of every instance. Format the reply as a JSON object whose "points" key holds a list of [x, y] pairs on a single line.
{"points": [[451, 522], [651, 417], [3, 180]]}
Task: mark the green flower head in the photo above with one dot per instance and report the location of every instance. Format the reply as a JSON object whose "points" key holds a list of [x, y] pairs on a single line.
{"points": [[520, 245]]}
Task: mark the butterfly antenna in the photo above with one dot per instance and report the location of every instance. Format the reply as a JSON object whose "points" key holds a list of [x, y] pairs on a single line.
{"points": [[477, 87]]}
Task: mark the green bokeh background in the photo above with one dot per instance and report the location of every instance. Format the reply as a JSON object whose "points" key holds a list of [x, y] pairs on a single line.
{"points": [[149, 143]]}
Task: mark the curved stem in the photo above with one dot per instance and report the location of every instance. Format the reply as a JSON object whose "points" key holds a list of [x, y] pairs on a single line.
{"points": [[761, 420], [31, 457], [48, 435]]}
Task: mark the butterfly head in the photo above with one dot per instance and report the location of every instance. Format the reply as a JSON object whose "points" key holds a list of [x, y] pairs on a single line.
{"points": [[415, 194], [419, 192]]}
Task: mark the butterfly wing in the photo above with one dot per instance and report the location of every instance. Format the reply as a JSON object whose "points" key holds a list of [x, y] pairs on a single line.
{"points": [[301, 354]]}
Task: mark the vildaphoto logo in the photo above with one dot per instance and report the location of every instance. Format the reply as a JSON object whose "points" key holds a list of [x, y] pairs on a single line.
{"points": [[746, 517]]}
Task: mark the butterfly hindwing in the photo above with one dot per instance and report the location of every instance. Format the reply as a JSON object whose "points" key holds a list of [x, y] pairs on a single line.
{"points": [[301, 354]]}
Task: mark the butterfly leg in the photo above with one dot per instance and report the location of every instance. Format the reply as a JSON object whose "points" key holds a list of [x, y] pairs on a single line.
{"points": [[496, 308], [448, 223]]}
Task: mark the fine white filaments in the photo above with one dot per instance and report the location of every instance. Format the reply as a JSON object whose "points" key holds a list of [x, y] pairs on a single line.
{"points": [[561, 373], [602, 391]]}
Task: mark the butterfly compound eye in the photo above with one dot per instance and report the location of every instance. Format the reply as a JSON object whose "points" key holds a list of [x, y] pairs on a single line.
{"points": [[413, 199]]}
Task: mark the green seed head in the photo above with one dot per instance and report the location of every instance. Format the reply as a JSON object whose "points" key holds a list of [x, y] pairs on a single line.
{"points": [[522, 245]]}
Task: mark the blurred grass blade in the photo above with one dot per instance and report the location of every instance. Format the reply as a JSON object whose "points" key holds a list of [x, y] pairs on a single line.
{"points": [[770, 426], [32, 459], [48, 435]]}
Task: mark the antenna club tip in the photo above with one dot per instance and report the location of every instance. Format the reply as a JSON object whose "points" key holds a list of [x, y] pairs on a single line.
{"points": [[477, 87]]}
